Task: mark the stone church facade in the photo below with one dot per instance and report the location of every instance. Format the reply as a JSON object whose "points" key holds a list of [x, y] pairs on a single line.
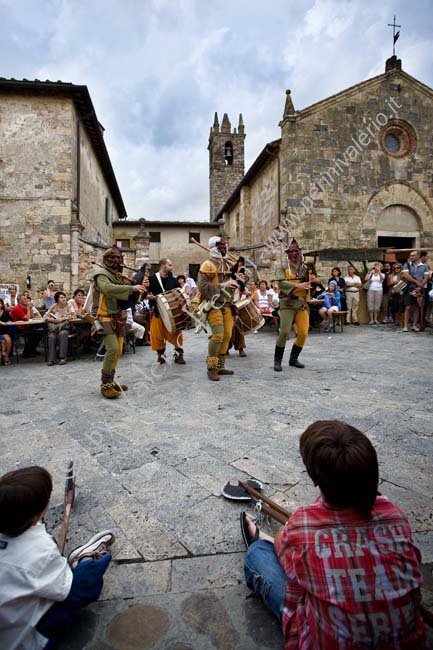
{"points": [[58, 192], [353, 171]]}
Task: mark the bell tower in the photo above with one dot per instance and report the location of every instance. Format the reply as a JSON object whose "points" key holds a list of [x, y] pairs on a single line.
{"points": [[226, 161]]}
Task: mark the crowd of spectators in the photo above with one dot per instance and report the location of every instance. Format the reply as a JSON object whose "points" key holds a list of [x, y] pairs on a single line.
{"points": [[401, 293]]}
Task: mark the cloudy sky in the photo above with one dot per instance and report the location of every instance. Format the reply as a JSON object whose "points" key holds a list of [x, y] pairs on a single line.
{"points": [[157, 70]]}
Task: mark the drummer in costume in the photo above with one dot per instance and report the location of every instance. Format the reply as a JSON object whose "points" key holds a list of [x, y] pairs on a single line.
{"points": [[216, 286], [111, 289], [294, 283], [159, 335]]}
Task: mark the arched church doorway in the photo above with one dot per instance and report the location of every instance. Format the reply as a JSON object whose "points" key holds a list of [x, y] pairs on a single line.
{"points": [[398, 226]]}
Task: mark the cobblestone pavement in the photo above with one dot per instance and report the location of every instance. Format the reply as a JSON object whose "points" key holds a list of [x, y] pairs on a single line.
{"points": [[151, 465]]}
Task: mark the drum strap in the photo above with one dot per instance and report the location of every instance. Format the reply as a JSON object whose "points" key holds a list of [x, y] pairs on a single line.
{"points": [[158, 277]]}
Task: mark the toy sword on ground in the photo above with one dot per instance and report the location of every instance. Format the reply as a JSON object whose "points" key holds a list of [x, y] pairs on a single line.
{"points": [[68, 503]]}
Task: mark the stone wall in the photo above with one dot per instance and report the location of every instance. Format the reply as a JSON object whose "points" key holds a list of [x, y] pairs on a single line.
{"points": [[94, 193], [255, 215], [35, 189], [337, 182]]}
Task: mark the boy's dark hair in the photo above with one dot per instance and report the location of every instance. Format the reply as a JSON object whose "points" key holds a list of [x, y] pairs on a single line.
{"points": [[342, 462], [77, 291], [24, 494]]}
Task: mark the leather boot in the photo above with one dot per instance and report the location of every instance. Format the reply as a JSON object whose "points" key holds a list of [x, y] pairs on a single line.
{"points": [[161, 356], [212, 368], [119, 387], [278, 357], [242, 352], [221, 363], [294, 354], [107, 385], [178, 357]]}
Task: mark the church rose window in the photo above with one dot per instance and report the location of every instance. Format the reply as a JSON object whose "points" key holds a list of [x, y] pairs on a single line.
{"points": [[397, 139], [392, 143]]}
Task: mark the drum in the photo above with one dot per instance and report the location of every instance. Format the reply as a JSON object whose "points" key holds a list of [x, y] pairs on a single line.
{"points": [[248, 317], [171, 306]]}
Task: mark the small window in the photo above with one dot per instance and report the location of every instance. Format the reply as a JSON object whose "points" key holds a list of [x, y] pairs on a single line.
{"points": [[107, 210], [194, 235], [238, 226], [193, 270], [155, 237], [123, 243], [228, 153]]}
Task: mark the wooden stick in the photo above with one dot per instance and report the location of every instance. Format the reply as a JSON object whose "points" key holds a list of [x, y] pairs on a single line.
{"points": [[69, 501], [278, 516], [258, 495], [197, 243]]}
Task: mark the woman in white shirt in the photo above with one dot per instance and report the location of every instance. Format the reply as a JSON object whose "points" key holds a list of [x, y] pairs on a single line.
{"points": [[375, 277], [263, 299]]}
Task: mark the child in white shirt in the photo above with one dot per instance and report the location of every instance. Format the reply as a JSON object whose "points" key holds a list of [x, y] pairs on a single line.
{"points": [[40, 594]]}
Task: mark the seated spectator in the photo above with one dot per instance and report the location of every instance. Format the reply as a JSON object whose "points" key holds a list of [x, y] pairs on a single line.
{"points": [[41, 592], [251, 289], [35, 312], [59, 327], [375, 278], [182, 284], [77, 302], [343, 572], [12, 300], [274, 292], [353, 287], [191, 284], [23, 311], [142, 317], [7, 334], [132, 327], [262, 298], [331, 304], [49, 294], [341, 285]]}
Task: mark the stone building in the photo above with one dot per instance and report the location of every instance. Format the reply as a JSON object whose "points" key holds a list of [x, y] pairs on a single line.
{"points": [[58, 192], [352, 171], [152, 240], [226, 161]]}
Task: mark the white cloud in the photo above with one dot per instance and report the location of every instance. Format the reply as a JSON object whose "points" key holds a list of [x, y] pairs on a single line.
{"points": [[158, 69]]}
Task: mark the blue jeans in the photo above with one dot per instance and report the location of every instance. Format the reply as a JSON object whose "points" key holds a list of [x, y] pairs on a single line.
{"points": [[86, 587], [265, 575]]}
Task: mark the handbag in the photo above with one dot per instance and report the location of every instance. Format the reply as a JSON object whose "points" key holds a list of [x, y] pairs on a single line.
{"points": [[366, 285], [55, 328], [399, 287]]}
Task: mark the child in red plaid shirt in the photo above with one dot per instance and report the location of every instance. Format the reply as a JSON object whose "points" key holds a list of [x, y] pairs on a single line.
{"points": [[343, 573]]}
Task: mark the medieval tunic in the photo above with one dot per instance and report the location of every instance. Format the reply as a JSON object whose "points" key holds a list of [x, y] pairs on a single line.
{"points": [[159, 334], [220, 318], [293, 307], [110, 288]]}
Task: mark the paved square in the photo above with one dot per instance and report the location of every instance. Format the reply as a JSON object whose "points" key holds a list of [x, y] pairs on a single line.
{"points": [[151, 465]]}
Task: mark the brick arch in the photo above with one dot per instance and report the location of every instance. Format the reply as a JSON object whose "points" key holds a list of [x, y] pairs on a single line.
{"points": [[397, 193]]}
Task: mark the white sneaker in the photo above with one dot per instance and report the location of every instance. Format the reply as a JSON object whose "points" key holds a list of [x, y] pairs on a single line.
{"points": [[95, 547], [371, 322], [404, 329]]}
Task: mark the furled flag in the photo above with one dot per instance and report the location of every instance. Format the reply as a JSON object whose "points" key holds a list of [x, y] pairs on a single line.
{"points": [[396, 37]]}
